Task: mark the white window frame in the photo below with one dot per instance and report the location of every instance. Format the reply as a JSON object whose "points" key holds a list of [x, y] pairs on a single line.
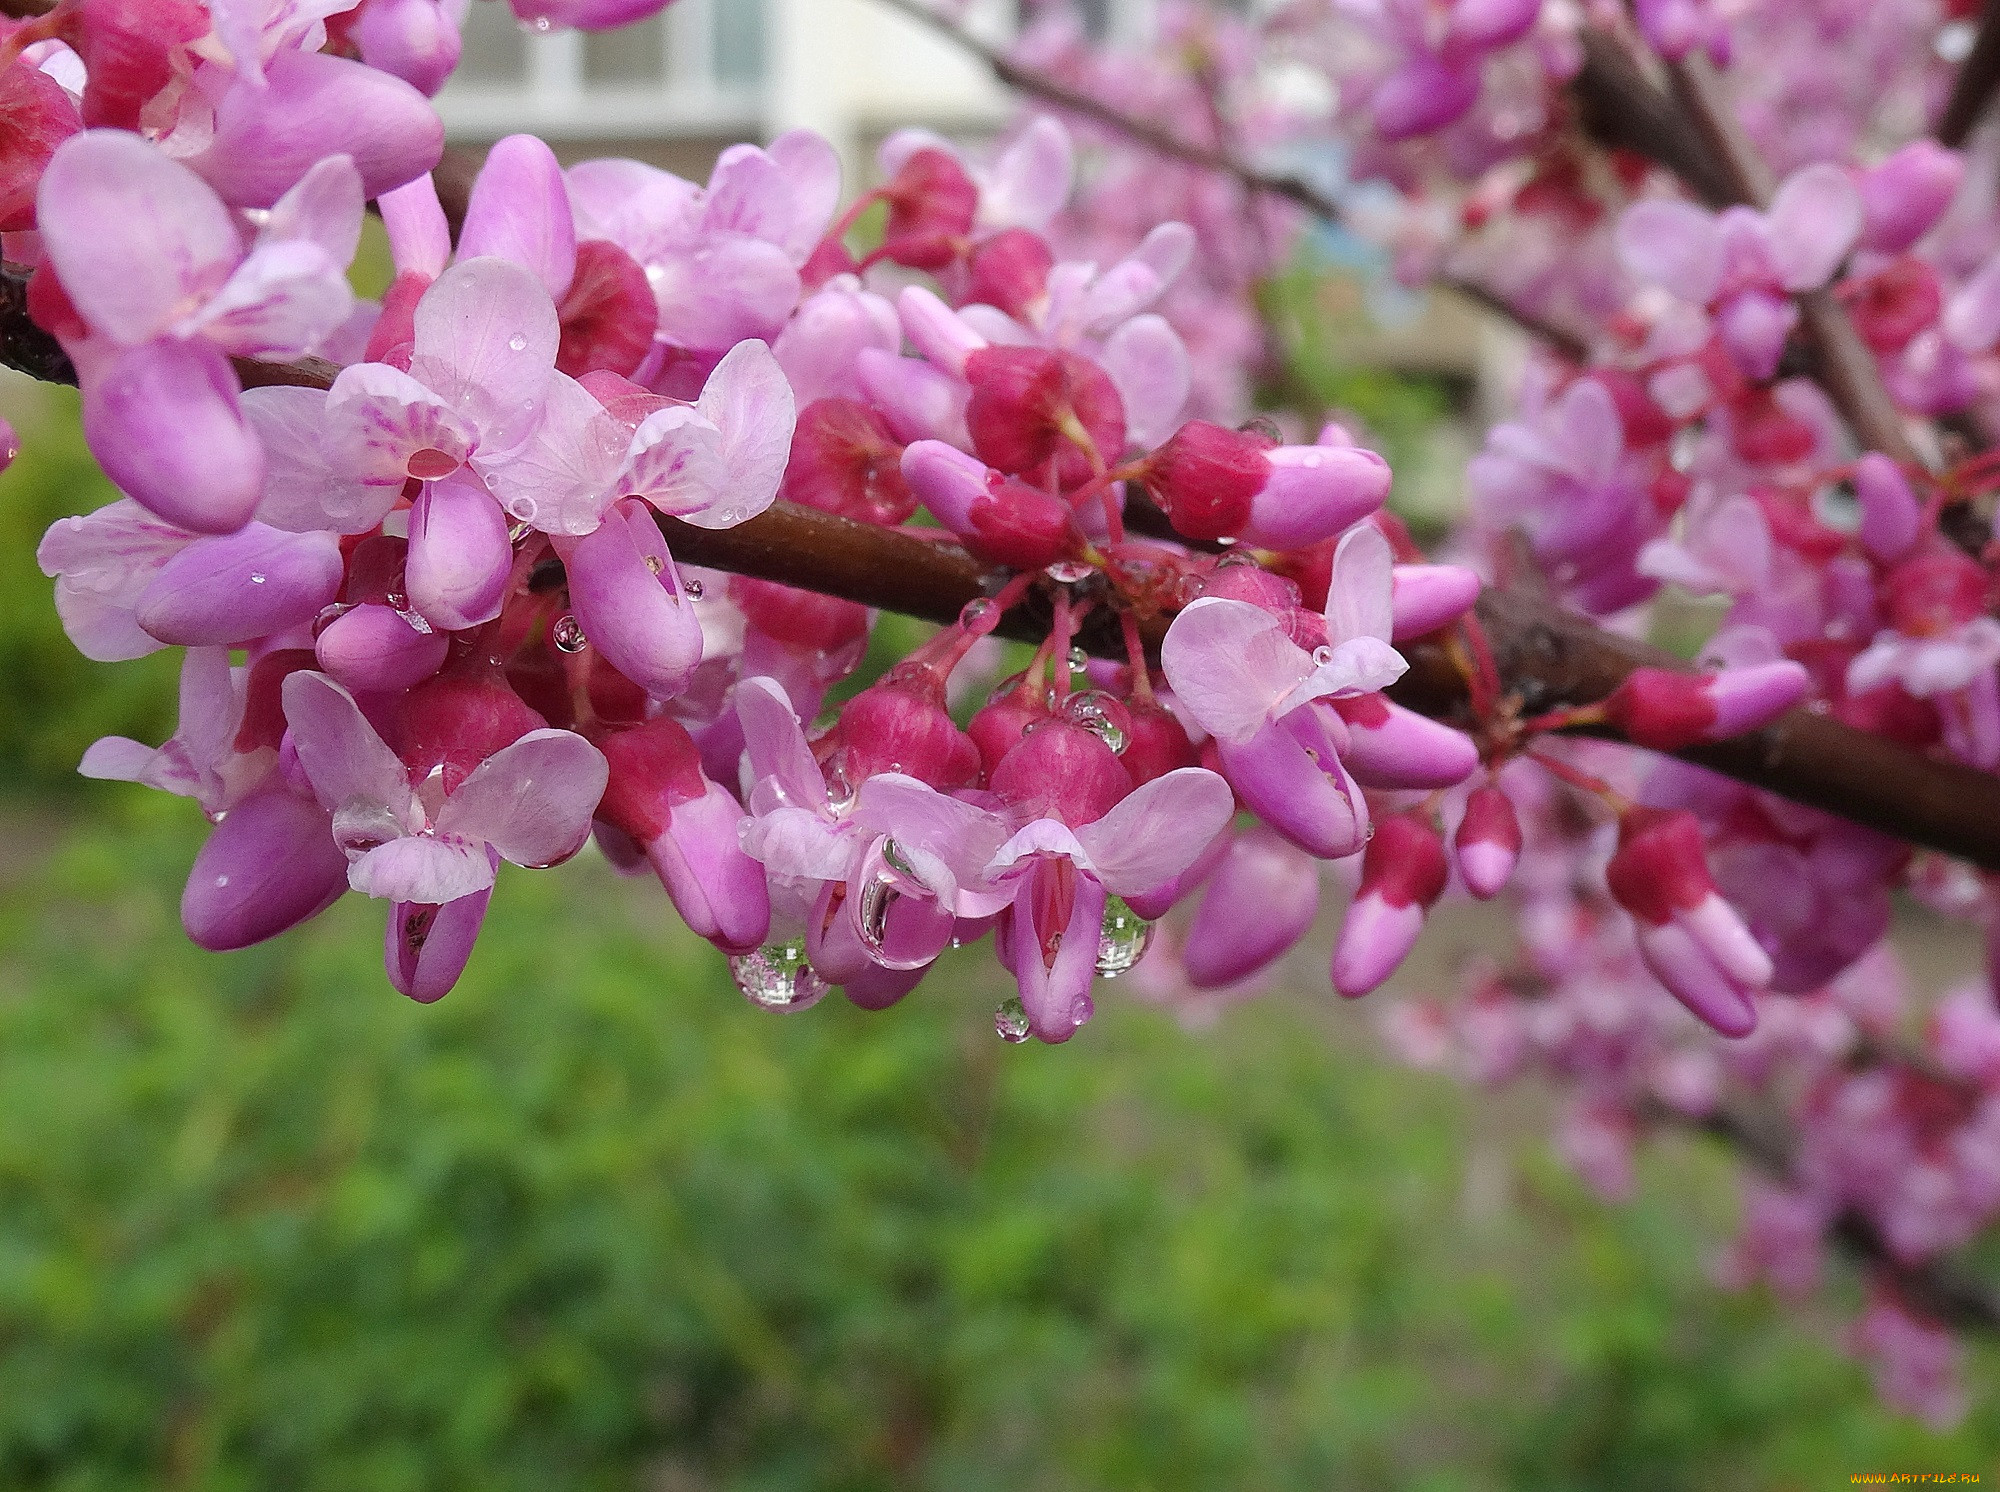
{"points": [[555, 100]]}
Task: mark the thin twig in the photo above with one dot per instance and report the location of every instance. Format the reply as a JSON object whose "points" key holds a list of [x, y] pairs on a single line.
{"points": [[1163, 141], [1972, 88]]}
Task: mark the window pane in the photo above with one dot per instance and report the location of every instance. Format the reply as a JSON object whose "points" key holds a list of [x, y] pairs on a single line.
{"points": [[496, 49], [629, 55], [739, 42]]}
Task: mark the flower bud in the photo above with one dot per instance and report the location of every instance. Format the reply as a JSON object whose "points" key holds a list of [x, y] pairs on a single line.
{"points": [[1291, 776], [268, 866], [1488, 842], [931, 203], [236, 587], [1060, 770], [1665, 710], [900, 725], [455, 721], [1000, 519], [627, 596], [1424, 598], [1391, 747], [1260, 901], [1904, 196], [459, 556], [1891, 516], [1011, 271], [1034, 409], [373, 647], [608, 315], [1403, 874], [845, 460], [1689, 937]]}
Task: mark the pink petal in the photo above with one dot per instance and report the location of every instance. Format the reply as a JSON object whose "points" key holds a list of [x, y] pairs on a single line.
{"points": [[1056, 996], [1231, 665], [946, 842], [270, 865], [1426, 597], [419, 868], [235, 588], [726, 290], [374, 648], [1155, 833], [137, 239], [777, 745], [318, 105], [102, 562], [301, 490], [568, 472], [1291, 776], [1148, 365], [486, 338], [519, 211], [1261, 900], [1674, 245], [1359, 597], [632, 613], [459, 556], [1586, 425], [379, 422], [324, 209], [343, 757], [1397, 748], [674, 461], [164, 422], [1031, 180], [426, 948], [719, 891], [810, 169], [748, 400], [419, 236], [283, 300], [1812, 223], [531, 801]]}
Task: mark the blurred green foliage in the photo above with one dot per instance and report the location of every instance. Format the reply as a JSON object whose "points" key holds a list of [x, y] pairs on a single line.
{"points": [[53, 701], [595, 1222]]}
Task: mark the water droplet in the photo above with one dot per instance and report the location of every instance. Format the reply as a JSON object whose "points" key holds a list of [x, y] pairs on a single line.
{"points": [[1078, 659], [1010, 1021], [518, 342], [1097, 712], [878, 899], [1069, 572], [396, 601], [975, 613], [893, 853], [524, 508], [1082, 1010], [692, 589], [778, 977], [221, 881], [567, 634], [840, 791], [1322, 656], [517, 532], [1123, 940], [656, 564], [258, 577]]}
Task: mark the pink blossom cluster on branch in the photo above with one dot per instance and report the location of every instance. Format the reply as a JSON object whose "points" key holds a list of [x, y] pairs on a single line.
{"points": [[432, 620]]}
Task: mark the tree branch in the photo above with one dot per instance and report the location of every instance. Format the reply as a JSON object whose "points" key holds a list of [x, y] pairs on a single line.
{"points": [[1162, 141], [1972, 88]]}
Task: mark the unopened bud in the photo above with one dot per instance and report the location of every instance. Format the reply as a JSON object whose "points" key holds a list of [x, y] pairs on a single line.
{"points": [[1403, 874], [1488, 842], [1664, 710]]}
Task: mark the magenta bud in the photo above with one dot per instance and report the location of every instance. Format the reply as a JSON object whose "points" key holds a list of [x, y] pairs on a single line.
{"points": [[937, 331], [719, 891], [1423, 95], [1751, 697], [1488, 843], [877, 988], [1260, 902], [237, 587], [1891, 517], [627, 596], [1402, 875], [373, 647], [1904, 196], [459, 556], [902, 725], [269, 865], [1391, 747], [1207, 478], [1426, 597], [410, 39], [165, 422], [947, 482], [1061, 770], [426, 948], [1313, 493], [1492, 23]]}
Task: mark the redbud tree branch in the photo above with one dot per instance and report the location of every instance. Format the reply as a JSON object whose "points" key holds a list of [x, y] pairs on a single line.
{"points": [[1972, 88]]}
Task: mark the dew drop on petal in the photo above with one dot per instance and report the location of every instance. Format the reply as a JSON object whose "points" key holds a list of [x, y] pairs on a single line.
{"points": [[1123, 940], [1069, 572], [1010, 1021], [1078, 659], [258, 577], [518, 342], [691, 588], [1322, 656], [567, 634], [974, 613], [778, 977]]}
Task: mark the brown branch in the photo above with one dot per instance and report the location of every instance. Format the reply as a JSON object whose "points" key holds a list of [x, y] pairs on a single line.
{"points": [[1977, 77], [1547, 656], [1940, 1288], [1621, 108], [23, 9]]}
